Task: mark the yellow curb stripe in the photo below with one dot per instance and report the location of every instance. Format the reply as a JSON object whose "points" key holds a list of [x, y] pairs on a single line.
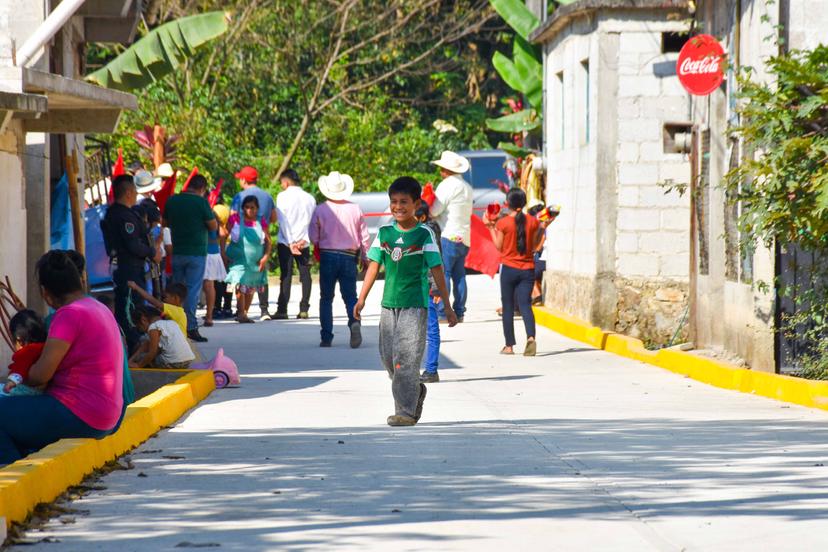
{"points": [[800, 391], [46, 474]]}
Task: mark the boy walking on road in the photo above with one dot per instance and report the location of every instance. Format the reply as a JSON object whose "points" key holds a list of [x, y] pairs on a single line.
{"points": [[407, 250]]}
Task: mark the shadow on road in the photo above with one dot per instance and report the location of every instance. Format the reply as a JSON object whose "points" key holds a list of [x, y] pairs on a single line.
{"points": [[302, 484]]}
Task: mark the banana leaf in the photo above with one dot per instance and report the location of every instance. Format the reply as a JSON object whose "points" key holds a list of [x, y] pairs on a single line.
{"points": [[517, 16], [522, 121], [521, 77], [159, 52], [530, 66], [513, 150]]}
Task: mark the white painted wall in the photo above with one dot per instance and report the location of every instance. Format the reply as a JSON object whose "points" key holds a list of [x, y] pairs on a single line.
{"points": [[12, 223], [652, 238], [571, 161]]}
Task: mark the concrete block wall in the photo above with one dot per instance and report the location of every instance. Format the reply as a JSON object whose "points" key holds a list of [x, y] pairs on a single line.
{"points": [[608, 186], [652, 239], [12, 219]]}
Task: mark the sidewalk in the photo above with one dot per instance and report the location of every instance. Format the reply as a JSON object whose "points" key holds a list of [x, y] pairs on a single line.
{"points": [[575, 449]]}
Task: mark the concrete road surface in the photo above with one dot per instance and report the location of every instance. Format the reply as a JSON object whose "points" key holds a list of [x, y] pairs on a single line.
{"points": [[575, 449]]}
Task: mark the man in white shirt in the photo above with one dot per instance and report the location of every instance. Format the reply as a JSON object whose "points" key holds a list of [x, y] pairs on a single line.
{"points": [[453, 210], [294, 208]]}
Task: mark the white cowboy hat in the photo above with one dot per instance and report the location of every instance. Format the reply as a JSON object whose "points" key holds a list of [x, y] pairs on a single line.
{"points": [[146, 183], [164, 170], [336, 186], [452, 162]]}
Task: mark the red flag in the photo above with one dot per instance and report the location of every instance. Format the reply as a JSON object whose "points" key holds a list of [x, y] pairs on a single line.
{"points": [[483, 255], [427, 194], [167, 190], [187, 182], [117, 170], [214, 194]]}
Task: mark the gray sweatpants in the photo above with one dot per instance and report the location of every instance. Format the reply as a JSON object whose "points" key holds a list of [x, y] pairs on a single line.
{"points": [[402, 337]]}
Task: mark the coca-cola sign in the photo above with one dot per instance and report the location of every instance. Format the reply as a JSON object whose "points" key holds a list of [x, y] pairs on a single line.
{"points": [[699, 65]]}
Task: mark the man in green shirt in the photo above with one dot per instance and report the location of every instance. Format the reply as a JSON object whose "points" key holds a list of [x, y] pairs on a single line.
{"points": [[189, 217], [408, 251]]}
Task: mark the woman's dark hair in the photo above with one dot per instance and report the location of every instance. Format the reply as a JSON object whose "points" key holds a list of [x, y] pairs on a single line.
{"points": [[58, 274], [406, 185], [516, 199], [144, 311], [250, 199], [534, 210], [77, 259], [27, 327]]}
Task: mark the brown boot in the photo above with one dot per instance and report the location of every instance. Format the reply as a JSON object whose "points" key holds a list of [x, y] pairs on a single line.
{"points": [[400, 420]]}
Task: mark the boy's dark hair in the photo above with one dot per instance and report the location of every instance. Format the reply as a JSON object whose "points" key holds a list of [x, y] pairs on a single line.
{"points": [[406, 185], [198, 183], [291, 175], [251, 199], [57, 272], [144, 311], [178, 289], [423, 211], [27, 327], [121, 184], [535, 209]]}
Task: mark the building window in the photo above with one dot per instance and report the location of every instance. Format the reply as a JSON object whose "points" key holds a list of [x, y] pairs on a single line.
{"points": [[559, 83], [586, 98], [673, 42]]}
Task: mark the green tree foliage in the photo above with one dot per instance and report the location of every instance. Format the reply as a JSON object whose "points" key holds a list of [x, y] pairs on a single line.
{"points": [[353, 85], [782, 183]]}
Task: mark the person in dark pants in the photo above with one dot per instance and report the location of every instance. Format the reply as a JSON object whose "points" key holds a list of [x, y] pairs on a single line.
{"points": [[338, 231], [125, 238], [516, 236], [295, 208]]}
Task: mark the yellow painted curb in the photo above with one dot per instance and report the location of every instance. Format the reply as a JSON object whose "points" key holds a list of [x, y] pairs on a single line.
{"points": [[712, 372], [46, 474]]}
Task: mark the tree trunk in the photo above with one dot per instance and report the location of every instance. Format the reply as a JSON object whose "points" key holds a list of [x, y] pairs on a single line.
{"points": [[300, 134]]}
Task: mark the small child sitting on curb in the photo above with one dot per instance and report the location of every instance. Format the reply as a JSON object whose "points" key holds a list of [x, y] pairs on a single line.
{"points": [[165, 345], [174, 296], [28, 330]]}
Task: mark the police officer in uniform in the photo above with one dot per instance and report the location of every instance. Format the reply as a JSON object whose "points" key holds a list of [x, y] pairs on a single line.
{"points": [[125, 237]]}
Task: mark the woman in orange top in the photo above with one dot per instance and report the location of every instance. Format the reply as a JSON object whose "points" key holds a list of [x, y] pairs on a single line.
{"points": [[515, 236]]}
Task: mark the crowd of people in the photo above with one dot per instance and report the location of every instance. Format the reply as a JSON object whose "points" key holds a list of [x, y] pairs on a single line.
{"points": [[70, 373]]}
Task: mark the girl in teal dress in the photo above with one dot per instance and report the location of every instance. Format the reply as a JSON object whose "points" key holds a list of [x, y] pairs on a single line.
{"points": [[248, 252]]}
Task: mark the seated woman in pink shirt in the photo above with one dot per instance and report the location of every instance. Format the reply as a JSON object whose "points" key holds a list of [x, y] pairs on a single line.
{"points": [[81, 366]]}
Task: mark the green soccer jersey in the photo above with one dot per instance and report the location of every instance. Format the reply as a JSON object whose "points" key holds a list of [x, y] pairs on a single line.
{"points": [[407, 257]]}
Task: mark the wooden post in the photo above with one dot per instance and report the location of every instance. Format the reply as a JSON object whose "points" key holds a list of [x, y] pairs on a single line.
{"points": [[74, 202]]}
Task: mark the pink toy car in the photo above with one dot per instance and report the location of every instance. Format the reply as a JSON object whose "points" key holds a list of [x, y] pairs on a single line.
{"points": [[224, 370]]}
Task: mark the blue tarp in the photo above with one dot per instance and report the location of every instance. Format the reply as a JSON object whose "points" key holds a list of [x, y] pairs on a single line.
{"points": [[61, 217], [97, 261]]}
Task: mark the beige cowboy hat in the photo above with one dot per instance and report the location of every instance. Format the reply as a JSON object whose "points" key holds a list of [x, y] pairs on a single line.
{"points": [[336, 186], [164, 170], [452, 162], [146, 183]]}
